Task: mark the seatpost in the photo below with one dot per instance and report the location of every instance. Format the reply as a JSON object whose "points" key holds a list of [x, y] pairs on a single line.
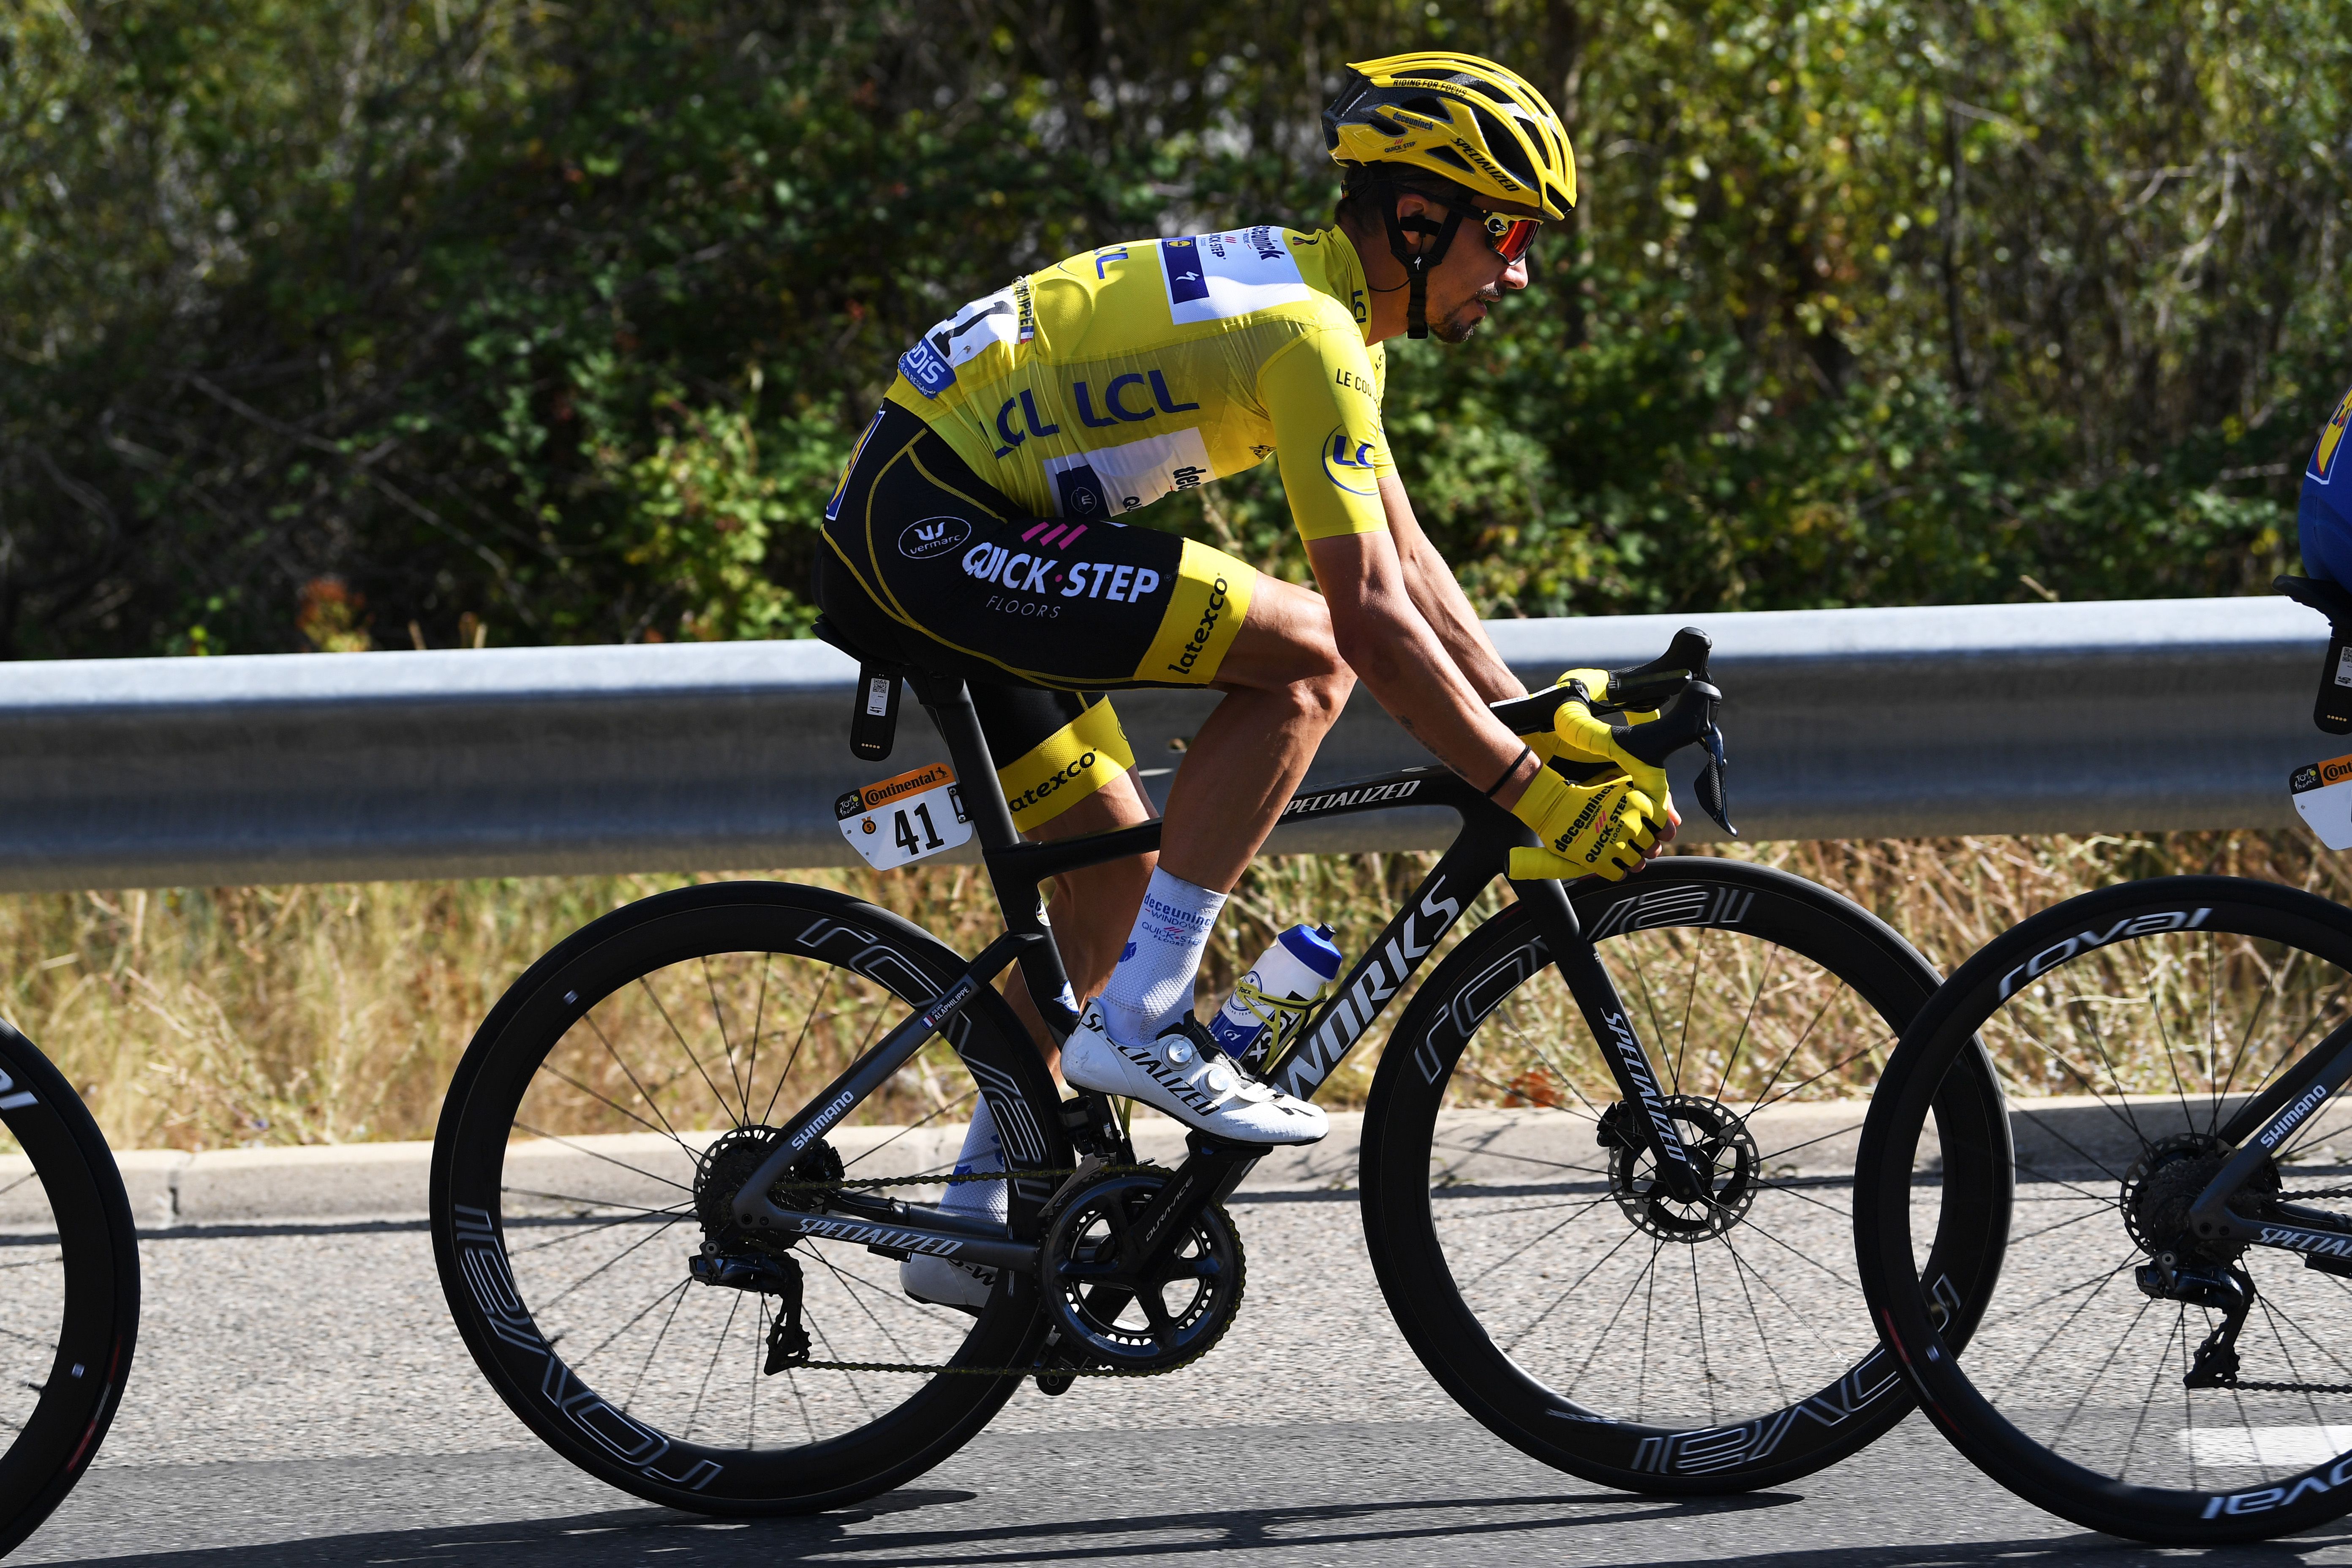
{"points": [[949, 702]]}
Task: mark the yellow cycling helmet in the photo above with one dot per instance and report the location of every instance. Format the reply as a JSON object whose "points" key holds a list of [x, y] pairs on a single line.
{"points": [[1492, 143], [1463, 119]]}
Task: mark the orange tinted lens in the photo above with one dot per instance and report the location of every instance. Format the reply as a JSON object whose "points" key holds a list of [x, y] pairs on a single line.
{"points": [[1514, 241]]}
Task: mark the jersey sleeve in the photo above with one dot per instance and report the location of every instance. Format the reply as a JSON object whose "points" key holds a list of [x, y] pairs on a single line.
{"points": [[1323, 397]]}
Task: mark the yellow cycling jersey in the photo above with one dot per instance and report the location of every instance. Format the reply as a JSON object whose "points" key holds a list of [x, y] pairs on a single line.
{"points": [[1100, 384]]}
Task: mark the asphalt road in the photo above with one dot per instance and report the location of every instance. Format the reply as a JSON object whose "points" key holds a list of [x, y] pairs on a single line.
{"points": [[301, 1398]]}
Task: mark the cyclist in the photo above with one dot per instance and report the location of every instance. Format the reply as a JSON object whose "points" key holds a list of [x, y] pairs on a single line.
{"points": [[976, 531], [2323, 517]]}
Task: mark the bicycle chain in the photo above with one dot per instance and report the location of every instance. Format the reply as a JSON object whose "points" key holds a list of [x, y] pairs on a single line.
{"points": [[869, 1184]]}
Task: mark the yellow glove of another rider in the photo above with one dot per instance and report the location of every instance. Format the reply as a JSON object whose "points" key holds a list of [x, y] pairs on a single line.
{"points": [[1598, 829]]}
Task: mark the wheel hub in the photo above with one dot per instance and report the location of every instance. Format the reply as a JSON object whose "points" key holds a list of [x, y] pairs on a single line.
{"points": [[1720, 1149], [731, 1160], [2162, 1185]]}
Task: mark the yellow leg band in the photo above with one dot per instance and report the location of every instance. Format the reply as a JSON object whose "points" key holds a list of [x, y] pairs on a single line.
{"points": [[1066, 767], [1211, 599]]}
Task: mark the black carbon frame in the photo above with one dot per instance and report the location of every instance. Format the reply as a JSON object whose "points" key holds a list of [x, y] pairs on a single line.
{"points": [[1479, 853]]}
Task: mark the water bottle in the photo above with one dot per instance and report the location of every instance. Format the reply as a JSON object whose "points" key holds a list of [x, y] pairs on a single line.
{"points": [[1273, 998]]}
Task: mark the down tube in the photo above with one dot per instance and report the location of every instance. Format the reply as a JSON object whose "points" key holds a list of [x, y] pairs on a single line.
{"points": [[1450, 887]]}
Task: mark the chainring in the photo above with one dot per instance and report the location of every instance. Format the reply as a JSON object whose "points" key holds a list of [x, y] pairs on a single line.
{"points": [[1097, 1294]]}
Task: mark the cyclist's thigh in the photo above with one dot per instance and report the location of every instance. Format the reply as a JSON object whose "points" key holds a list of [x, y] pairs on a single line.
{"points": [[993, 593], [1283, 640]]}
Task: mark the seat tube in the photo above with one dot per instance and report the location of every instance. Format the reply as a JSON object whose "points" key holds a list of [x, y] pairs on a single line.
{"points": [[949, 702]]}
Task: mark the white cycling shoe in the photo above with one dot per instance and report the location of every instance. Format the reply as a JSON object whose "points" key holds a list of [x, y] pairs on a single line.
{"points": [[937, 1282], [1184, 1074]]}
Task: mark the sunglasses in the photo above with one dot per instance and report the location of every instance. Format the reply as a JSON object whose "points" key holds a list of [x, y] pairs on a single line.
{"points": [[1508, 237]]}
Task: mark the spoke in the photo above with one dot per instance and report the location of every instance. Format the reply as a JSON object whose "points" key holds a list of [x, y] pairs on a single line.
{"points": [[646, 985], [1803, 1084], [642, 1312], [1706, 1360], [1690, 1000], [1573, 1285], [719, 1016], [1740, 1270], [581, 1149], [1649, 1006], [677, 1300], [664, 1130], [808, 1021], [654, 1234], [628, 1072], [1748, 1019], [751, 1079], [703, 1391], [1811, 1023]]}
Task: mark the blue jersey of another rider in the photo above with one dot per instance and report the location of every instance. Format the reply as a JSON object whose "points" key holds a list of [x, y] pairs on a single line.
{"points": [[2325, 518]]}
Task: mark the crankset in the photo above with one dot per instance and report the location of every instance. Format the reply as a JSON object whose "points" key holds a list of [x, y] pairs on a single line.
{"points": [[1142, 1271]]}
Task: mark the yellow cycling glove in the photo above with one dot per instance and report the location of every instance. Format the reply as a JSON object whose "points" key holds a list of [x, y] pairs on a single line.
{"points": [[1586, 738], [1597, 829]]}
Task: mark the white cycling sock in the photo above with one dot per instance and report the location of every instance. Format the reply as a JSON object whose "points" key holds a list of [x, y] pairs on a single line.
{"points": [[1152, 985], [983, 1150]]}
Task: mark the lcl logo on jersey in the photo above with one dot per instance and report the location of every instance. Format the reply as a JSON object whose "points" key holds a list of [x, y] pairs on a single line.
{"points": [[932, 536], [1348, 463], [2331, 441]]}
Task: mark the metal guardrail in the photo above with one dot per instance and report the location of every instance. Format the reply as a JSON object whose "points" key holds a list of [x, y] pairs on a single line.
{"points": [[1840, 724]]}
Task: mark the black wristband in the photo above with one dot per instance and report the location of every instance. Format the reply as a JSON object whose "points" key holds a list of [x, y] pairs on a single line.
{"points": [[1512, 771]]}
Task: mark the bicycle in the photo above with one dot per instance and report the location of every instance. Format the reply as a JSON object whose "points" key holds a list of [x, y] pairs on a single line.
{"points": [[627, 1089], [2159, 1353], [68, 1289]]}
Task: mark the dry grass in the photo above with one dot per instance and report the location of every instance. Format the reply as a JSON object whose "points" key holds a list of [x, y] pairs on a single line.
{"points": [[196, 1019]]}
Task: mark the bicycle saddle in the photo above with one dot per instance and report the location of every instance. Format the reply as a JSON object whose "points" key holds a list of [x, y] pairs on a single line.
{"points": [[2333, 710], [2330, 599]]}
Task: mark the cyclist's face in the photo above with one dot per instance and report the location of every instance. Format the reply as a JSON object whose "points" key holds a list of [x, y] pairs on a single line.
{"points": [[1469, 282]]}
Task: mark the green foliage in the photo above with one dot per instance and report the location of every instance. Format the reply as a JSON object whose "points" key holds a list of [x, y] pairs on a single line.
{"points": [[562, 319]]}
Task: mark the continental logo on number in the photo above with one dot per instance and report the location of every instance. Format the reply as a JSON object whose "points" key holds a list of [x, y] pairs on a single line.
{"points": [[875, 796], [2319, 776], [2331, 441], [1348, 463]]}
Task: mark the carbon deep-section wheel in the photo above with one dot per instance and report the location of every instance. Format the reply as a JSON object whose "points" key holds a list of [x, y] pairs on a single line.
{"points": [[1524, 1247], [69, 1289], [2127, 1371], [601, 1122]]}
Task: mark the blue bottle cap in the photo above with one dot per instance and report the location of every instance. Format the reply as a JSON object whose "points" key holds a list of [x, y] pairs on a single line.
{"points": [[1314, 949]]}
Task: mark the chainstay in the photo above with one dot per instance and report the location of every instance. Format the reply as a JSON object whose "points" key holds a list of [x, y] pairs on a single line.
{"points": [[869, 1184], [991, 1370]]}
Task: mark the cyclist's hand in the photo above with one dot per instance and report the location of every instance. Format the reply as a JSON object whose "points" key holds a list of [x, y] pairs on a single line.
{"points": [[1584, 738], [1604, 829]]}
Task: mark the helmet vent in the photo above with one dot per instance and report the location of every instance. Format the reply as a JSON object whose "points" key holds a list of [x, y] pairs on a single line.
{"points": [[1449, 156], [1381, 123], [1433, 108]]}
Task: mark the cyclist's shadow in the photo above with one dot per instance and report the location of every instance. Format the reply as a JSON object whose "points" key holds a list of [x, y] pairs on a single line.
{"points": [[914, 1532]]}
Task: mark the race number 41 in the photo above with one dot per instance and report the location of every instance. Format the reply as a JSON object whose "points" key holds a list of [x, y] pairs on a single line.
{"points": [[902, 820]]}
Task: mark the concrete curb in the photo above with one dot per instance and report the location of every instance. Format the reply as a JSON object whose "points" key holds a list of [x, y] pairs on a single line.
{"points": [[2073, 1138]]}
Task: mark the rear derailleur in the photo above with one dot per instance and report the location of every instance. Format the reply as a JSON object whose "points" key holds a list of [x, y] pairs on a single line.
{"points": [[732, 1260], [2223, 1288]]}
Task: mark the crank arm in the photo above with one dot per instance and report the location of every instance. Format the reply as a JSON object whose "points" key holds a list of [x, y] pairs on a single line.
{"points": [[754, 1210], [1604, 1014], [1207, 1175]]}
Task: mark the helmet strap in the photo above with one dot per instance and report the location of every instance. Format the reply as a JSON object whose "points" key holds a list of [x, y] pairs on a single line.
{"points": [[1417, 267]]}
